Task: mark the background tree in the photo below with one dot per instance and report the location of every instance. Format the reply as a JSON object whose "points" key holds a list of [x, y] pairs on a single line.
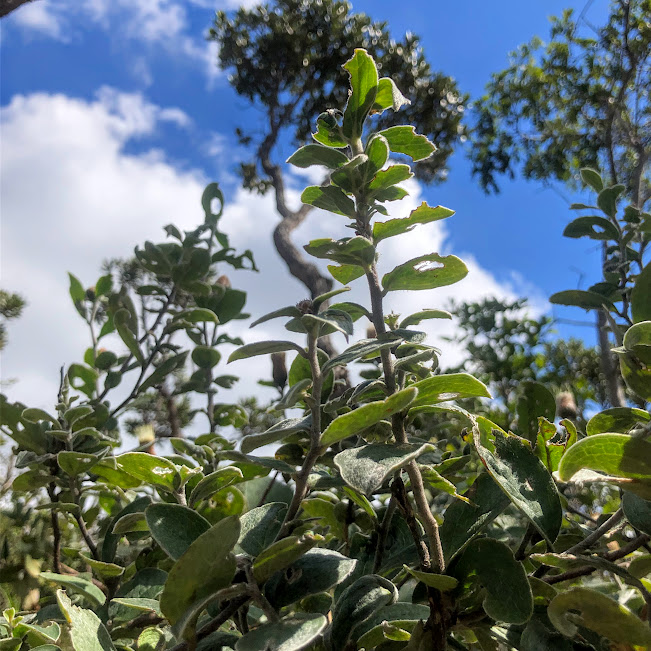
{"points": [[286, 56], [579, 100], [505, 347], [11, 307]]}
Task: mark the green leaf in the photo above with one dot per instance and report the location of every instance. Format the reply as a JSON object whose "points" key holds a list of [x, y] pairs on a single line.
{"points": [[491, 564], [318, 155], [599, 613], [436, 482], [425, 272], [152, 639], [637, 511], [174, 527], [77, 584], [282, 554], [618, 455], [212, 192], [104, 570], [424, 214], [207, 566], [592, 178], [129, 523], [405, 140], [345, 273], [164, 369], [371, 633], [423, 315], [259, 528], [276, 432], [111, 540], [87, 633], [291, 633], [453, 386], [77, 291], [388, 96], [359, 419], [318, 570], [618, 419], [264, 348], [149, 469], [389, 177], [640, 566], [441, 582], [328, 131], [146, 583], [349, 251], [358, 602], [534, 401], [580, 298], [121, 321], [462, 521], [596, 228], [641, 296], [329, 198], [377, 151], [290, 310], [76, 463], [214, 482], [637, 341], [197, 315], [521, 475], [144, 605], [607, 199], [364, 87], [327, 322], [366, 468], [205, 357], [361, 349], [34, 415]]}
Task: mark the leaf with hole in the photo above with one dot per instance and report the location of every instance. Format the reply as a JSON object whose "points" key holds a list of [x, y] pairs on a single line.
{"points": [[150, 469], [318, 570], [425, 272], [521, 475]]}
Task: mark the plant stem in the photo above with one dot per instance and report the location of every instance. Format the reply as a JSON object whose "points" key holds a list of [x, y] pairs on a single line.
{"points": [[56, 531], [398, 425], [382, 533], [600, 531], [314, 452]]}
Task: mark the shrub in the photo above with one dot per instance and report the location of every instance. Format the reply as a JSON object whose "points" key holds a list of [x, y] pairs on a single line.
{"points": [[377, 537]]}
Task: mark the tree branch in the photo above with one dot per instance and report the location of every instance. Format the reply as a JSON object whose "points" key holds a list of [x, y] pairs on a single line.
{"points": [[7, 6]]}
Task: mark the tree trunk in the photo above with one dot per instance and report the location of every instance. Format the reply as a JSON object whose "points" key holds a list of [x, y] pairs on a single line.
{"points": [[609, 366]]}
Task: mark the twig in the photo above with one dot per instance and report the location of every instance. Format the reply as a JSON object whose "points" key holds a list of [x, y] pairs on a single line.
{"points": [[382, 532], [214, 624], [600, 531]]}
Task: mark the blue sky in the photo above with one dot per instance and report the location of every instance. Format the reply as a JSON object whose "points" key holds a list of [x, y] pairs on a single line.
{"points": [[114, 116]]}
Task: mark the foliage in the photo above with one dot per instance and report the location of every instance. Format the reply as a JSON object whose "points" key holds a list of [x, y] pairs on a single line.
{"points": [[577, 100], [11, 306], [286, 58], [379, 536], [505, 347]]}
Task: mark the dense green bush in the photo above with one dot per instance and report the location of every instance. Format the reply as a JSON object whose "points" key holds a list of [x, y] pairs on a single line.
{"points": [[377, 528]]}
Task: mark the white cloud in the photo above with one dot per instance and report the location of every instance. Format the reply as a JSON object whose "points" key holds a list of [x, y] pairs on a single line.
{"points": [[154, 24], [73, 197]]}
